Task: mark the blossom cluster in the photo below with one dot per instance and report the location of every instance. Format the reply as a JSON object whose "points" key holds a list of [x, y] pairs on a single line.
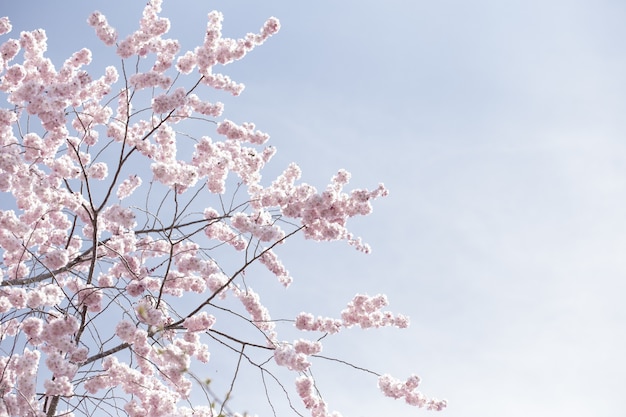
{"points": [[323, 215], [395, 388], [307, 392], [363, 311], [260, 224], [19, 379]]}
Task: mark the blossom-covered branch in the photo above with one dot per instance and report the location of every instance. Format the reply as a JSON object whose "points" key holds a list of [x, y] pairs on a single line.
{"points": [[117, 274]]}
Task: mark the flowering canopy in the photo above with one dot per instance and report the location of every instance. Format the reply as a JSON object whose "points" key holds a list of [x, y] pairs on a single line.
{"points": [[96, 249]]}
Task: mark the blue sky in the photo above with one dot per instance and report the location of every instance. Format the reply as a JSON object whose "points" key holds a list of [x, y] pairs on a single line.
{"points": [[498, 127]]}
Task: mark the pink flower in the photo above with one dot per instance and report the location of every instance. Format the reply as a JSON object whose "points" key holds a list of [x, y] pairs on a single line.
{"points": [[5, 25], [200, 322], [286, 356], [244, 132], [150, 79], [116, 216], [35, 298], [186, 63], [32, 326], [59, 366], [14, 74], [9, 50], [168, 102], [98, 171], [364, 311], [307, 391], [271, 26], [60, 386], [126, 330], [223, 82], [90, 297], [306, 321], [260, 225], [258, 312], [17, 297], [274, 265], [128, 186], [79, 355], [53, 294], [394, 388], [307, 347], [105, 32], [79, 58], [205, 108]]}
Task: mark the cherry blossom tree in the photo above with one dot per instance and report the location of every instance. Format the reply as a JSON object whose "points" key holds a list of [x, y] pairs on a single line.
{"points": [[126, 237]]}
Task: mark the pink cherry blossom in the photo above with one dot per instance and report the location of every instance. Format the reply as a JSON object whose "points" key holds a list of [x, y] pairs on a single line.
{"points": [[167, 102], [244, 132], [98, 171], [364, 311], [205, 108], [130, 238], [5, 25], [285, 355], [128, 186], [306, 321], [150, 79], [394, 388], [186, 63], [199, 322], [105, 32], [307, 392], [9, 50]]}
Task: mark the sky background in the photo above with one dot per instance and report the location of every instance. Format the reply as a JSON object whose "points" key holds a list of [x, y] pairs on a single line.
{"points": [[498, 127]]}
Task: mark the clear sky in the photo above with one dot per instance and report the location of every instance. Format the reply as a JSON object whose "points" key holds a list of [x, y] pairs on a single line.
{"points": [[499, 128]]}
